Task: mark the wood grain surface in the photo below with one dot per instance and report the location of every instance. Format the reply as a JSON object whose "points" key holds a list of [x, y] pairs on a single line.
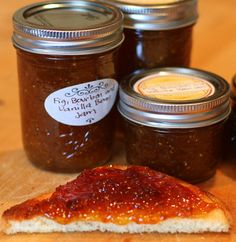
{"points": [[214, 50]]}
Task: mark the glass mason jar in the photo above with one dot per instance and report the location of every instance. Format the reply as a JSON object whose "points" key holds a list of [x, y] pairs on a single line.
{"points": [[157, 33], [231, 125], [67, 68], [174, 120]]}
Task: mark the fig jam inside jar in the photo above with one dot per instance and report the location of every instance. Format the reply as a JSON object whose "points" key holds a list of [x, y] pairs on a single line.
{"points": [[175, 120], [67, 68], [230, 153], [157, 33]]}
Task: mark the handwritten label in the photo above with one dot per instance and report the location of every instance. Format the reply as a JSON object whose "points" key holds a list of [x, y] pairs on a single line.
{"points": [[174, 87], [82, 104]]}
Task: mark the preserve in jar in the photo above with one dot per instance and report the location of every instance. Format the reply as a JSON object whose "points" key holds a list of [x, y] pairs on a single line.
{"points": [[158, 33], [67, 67], [230, 142], [174, 120]]}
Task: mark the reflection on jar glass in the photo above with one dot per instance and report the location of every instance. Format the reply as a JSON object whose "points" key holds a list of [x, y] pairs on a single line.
{"points": [[67, 80], [175, 120]]}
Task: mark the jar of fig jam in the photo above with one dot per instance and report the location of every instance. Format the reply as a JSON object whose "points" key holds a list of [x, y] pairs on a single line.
{"points": [[231, 126], [174, 120], [67, 59], [158, 33]]}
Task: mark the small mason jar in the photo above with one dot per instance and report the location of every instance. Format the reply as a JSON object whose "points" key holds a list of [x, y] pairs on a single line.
{"points": [[157, 33], [174, 120], [67, 67]]}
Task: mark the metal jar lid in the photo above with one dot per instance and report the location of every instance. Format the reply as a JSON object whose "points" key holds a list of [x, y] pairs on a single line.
{"points": [[174, 98], [157, 14], [68, 27]]}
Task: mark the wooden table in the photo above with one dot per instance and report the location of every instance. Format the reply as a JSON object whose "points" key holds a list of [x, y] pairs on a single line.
{"points": [[214, 50]]}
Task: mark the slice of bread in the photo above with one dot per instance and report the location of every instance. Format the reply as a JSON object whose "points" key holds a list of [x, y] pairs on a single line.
{"points": [[20, 218]]}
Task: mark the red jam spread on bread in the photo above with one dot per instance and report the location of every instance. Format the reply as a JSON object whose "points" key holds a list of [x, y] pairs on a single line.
{"points": [[110, 194]]}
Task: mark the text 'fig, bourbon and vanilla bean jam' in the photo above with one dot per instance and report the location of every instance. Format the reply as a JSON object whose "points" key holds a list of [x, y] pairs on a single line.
{"points": [[158, 33], [174, 120], [67, 58]]}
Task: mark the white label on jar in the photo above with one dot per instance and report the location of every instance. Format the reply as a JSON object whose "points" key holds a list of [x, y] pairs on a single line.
{"points": [[82, 104], [174, 87]]}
